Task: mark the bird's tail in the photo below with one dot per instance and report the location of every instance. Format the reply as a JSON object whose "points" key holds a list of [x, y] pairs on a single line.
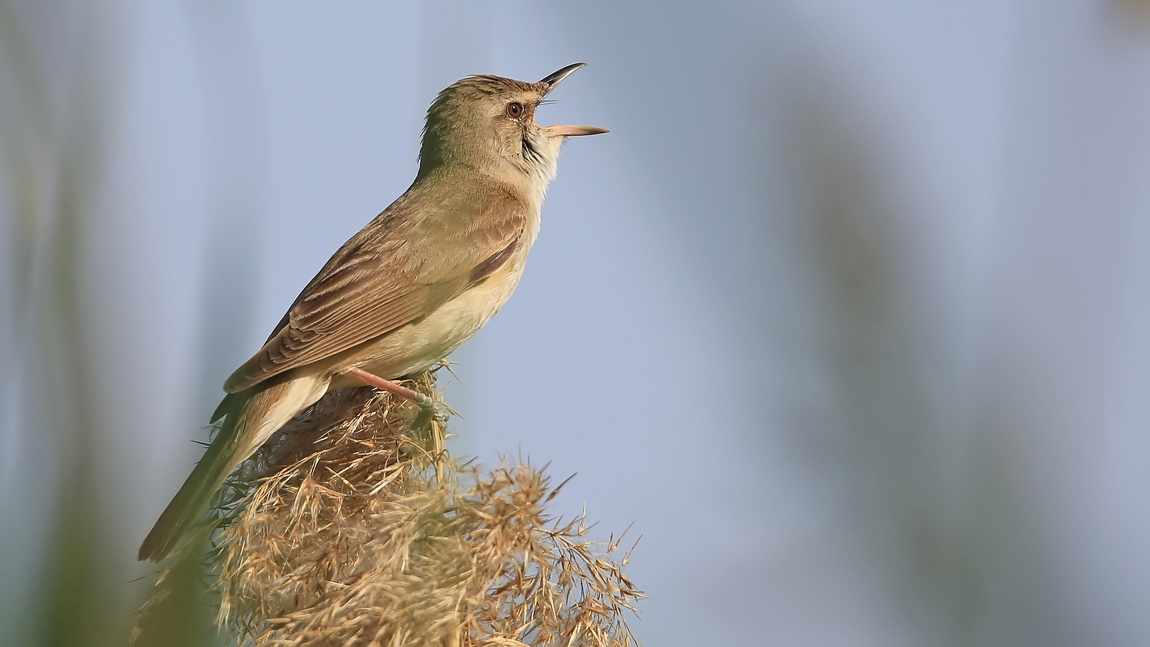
{"points": [[250, 419]]}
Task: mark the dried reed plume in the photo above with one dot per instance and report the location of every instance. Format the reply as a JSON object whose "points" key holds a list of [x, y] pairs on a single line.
{"points": [[353, 526]]}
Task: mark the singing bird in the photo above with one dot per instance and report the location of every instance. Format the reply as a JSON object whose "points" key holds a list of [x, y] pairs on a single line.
{"points": [[408, 289]]}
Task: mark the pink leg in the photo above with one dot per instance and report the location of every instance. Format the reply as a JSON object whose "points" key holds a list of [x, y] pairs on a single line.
{"points": [[378, 382]]}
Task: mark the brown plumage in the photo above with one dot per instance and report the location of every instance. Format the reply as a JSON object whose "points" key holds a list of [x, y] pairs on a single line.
{"points": [[397, 269], [409, 288]]}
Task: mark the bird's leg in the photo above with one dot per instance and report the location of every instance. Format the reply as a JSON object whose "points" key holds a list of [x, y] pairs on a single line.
{"points": [[427, 404]]}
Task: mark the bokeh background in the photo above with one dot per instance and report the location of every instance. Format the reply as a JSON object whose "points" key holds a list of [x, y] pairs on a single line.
{"points": [[849, 314]]}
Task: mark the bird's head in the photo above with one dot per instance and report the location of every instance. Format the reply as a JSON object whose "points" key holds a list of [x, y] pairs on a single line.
{"points": [[488, 123]]}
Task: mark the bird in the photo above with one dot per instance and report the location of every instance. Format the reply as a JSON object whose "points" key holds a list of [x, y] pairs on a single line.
{"points": [[409, 288]]}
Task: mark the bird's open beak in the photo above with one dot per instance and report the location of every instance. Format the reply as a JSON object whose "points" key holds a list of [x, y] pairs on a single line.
{"points": [[555, 78], [572, 131], [551, 81]]}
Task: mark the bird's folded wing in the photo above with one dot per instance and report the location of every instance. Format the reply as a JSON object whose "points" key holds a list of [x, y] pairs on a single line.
{"points": [[396, 270]]}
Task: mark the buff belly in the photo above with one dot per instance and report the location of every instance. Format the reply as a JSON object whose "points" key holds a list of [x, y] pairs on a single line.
{"points": [[418, 346]]}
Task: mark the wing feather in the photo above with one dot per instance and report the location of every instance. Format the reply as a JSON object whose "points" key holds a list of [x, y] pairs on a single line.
{"points": [[402, 266]]}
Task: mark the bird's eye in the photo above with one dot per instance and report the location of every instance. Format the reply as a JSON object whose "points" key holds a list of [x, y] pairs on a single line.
{"points": [[515, 110]]}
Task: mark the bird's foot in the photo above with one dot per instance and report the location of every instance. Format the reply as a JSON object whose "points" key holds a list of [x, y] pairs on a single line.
{"points": [[429, 411]]}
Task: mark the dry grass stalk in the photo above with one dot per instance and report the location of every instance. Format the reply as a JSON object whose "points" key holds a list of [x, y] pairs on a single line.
{"points": [[354, 527]]}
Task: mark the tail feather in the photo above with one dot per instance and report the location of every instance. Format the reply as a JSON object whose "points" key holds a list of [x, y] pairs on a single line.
{"points": [[249, 420], [185, 508]]}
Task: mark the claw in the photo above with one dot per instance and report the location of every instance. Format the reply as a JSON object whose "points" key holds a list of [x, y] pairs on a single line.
{"points": [[429, 411]]}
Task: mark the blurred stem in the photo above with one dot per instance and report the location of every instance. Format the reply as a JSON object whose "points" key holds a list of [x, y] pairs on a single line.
{"points": [[55, 147], [184, 614], [75, 610]]}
